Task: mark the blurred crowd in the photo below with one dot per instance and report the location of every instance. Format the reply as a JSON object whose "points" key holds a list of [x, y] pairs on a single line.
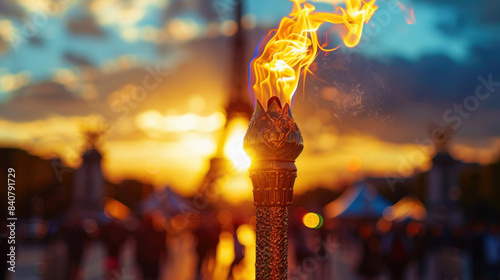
{"points": [[415, 250], [68, 247], [221, 246]]}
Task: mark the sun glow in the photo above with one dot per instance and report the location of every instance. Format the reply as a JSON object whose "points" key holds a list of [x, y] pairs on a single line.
{"points": [[155, 123], [292, 47], [233, 148]]}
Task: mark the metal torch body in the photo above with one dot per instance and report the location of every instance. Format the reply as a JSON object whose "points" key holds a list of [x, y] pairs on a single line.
{"points": [[273, 142]]}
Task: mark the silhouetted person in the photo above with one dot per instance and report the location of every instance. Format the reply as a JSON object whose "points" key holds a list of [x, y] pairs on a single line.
{"points": [[239, 253], [397, 248], [207, 236], [76, 241], [371, 260], [302, 250], [4, 248], [477, 250], [114, 235], [421, 241], [491, 243], [150, 248], [56, 258]]}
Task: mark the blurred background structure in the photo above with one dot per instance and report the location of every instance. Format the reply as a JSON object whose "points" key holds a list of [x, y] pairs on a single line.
{"points": [[124, 121]]}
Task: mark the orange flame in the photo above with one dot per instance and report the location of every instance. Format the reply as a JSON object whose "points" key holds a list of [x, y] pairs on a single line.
{"points": [[293, 46]]}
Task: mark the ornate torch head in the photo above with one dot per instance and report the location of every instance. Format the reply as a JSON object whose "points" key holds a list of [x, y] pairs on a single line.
{"points": [[273, 142], [272, 134]]}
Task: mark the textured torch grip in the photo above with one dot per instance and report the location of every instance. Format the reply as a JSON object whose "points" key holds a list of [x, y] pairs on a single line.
{"points": [[272, 243]]}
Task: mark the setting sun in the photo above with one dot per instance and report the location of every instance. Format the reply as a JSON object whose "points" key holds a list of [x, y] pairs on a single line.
{"points": [[233, 149]]}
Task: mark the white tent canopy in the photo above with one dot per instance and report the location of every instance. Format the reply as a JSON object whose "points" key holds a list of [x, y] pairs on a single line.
{"points": [[359, 201], [166, 201]]}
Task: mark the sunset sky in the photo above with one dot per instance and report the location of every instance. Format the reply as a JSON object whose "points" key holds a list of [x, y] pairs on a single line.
{"points": [[68, 65]]}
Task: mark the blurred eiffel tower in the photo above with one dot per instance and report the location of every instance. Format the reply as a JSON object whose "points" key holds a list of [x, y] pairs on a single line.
{"points": [[238, 110]]}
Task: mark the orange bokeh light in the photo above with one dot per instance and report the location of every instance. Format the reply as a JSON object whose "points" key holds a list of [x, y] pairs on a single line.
{"points": [[312, 220], [115, 209], [354, 163]]}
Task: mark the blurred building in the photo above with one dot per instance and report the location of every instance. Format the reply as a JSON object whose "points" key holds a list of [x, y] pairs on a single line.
{"points": [[88, 180], [43, 187], [443, 190]]}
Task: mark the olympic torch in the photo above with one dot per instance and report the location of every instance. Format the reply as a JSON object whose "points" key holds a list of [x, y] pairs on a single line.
{"points": [[273, 140]]}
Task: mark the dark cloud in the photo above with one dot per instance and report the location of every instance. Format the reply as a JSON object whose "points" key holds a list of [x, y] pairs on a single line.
{"points": [[490, 13], [10, 8], [77, 59], [36, 41], [4, 46], [41, 100], [453, 28], [483, 11], [85, 25], [44, 91], [217, 10]]}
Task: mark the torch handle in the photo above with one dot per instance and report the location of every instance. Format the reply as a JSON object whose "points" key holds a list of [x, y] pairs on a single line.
{"points": [[272, 243], [273, 191], [273, 141]]}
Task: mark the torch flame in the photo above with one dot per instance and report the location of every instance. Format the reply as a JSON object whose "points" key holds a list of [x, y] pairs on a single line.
{"points": [[293, 46]]}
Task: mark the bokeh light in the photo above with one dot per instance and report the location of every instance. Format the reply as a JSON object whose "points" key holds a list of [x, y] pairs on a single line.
{"points": [[115, 209], [312, 220], [353, 163]]}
